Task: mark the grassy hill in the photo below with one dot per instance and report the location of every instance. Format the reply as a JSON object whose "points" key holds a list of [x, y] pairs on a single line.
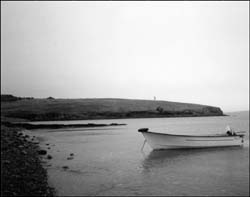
{"points": [[76, 109]]}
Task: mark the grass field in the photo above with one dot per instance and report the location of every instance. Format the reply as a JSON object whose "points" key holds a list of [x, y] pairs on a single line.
{"points": [[73, 109]]}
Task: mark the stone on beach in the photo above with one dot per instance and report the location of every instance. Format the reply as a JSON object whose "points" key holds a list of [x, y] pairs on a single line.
{"points": [[42, 152]]}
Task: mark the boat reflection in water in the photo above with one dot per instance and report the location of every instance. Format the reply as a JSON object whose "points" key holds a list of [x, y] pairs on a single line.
{"points": [[191, 157], [210, 172]]}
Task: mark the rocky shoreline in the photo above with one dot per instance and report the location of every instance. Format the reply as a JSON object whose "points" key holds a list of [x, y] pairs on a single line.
{"points": [[22, 172]]}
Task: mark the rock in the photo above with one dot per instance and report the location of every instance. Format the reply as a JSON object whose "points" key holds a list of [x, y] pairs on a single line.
{"points": [[6, 161], [65, 167], [70, 158], [71, 154], [42, 152], [49, 157]]}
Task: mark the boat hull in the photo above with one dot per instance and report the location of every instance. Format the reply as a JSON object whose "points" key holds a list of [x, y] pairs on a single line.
{"points": [[168, 141]]}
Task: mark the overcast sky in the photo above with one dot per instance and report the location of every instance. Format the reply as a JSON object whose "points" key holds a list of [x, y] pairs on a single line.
{"points": [[196, 52]]}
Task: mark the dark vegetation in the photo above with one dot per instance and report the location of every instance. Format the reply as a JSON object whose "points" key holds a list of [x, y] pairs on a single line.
{"points": [[22, 173], [82, 109], [10, 98], [55, 126]]}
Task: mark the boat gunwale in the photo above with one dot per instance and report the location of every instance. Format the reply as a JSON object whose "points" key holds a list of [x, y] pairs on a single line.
{"points": [[193, 135]]}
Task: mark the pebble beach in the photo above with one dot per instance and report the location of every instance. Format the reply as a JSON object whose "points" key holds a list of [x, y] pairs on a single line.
{"points": [[21, 165]]}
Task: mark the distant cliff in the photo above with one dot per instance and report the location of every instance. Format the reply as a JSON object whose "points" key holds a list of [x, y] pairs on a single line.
{"points": [[77, 109]]}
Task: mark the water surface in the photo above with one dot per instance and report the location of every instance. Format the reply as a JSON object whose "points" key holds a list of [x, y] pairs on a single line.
{"points": [[108, 160]]}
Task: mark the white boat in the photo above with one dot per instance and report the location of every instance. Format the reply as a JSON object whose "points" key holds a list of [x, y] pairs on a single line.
{"points": [[172, 141]]}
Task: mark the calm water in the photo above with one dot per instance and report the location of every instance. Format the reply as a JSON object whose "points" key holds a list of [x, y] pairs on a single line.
{"points": [[108, 160]]}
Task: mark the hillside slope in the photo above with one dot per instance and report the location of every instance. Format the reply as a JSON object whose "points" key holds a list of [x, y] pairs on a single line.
{"points": [[75, 109]]}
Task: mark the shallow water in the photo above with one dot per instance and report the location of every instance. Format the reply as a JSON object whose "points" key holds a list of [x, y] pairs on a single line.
{"points": [[108, 160]]}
